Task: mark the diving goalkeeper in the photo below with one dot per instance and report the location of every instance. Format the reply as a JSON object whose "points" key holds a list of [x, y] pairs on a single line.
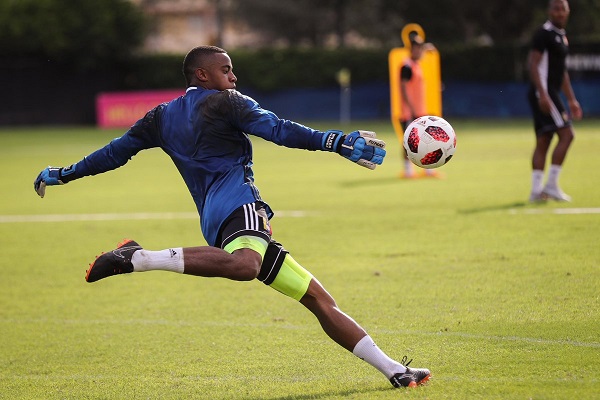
{"points": [[206, 134]]}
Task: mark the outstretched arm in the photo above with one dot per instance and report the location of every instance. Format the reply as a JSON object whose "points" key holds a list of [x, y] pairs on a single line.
{"points": [[140, 136], [360, 147]]}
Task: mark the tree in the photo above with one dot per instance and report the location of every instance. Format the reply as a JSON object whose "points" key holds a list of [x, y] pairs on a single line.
{"points": [[583, 22], [292, 22], [83, 33], [380, 22]]}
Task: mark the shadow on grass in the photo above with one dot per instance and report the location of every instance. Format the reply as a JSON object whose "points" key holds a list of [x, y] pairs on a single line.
{"points": [[498, 207], [325, 395], [374, 182]]}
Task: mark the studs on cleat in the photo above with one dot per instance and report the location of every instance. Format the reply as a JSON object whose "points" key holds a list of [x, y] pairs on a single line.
{"points": [[114, 262]]}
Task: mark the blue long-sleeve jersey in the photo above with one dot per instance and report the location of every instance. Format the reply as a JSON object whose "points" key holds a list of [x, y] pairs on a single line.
{"points": [[205, 132]]}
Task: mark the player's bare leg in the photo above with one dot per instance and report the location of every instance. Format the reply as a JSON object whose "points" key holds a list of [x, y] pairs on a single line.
{"points": [[552, 189], [242, 265], [565, 138], [408, 172], [538, 163], [207, 261], [342, 329], [336, 324]]}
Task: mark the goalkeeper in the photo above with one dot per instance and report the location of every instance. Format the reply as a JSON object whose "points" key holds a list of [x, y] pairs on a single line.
{"points": [[206, 134]]}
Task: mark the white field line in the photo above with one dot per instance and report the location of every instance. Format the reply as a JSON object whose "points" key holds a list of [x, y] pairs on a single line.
{"points": [[559, 211], [594, 345], [7, 219], [230, 324]]}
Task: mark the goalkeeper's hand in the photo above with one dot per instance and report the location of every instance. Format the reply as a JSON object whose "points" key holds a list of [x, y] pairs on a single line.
{"points": [[360, 147], [51, 176]]}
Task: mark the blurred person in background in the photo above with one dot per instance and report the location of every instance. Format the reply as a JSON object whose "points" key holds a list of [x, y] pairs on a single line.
{"points": [[412, 93], [548, 78]]}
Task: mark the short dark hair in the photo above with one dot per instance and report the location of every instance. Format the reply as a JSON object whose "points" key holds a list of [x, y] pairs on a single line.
{"points": [[550, 2], [194, 59]]}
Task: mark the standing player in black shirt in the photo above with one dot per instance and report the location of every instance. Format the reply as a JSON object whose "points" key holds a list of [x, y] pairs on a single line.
{"points": [[549, 76]]}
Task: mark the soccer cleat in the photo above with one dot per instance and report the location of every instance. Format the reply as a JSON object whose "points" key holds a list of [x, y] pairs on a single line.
{"points": [[430, 173], [424, 173], [556, 194], [115, 262], [408, 175], [537, 197], [412, 377]]}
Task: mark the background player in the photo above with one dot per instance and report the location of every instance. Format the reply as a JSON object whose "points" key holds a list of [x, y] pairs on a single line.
{"points": [[549, 76], [412, 92]]}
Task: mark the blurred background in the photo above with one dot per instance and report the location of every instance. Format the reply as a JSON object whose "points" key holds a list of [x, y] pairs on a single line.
{"points": [[59, 57]]}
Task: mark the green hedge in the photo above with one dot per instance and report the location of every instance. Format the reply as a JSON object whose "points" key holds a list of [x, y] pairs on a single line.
{"points": [[498, 63], [267, 70], [270, 70]]}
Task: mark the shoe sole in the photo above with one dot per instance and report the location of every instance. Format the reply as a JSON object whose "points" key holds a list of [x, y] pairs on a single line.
{"points": [[557, 198], [89, 271], [421, 175], [423, 381], [405, 176]]}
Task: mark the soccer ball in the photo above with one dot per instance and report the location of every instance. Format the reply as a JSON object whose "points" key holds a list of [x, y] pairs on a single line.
{"points": [[429, 141]]}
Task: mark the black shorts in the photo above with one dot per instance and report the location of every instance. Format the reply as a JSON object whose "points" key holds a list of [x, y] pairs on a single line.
{"points": [[248, 227], [248, 220], [548, 124]]}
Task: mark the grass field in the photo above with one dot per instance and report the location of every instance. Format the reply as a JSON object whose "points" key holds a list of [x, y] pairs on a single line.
{"points": [[499, 298]]}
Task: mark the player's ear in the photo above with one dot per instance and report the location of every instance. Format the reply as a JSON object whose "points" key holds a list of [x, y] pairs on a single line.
{"points": [[201, 75]]}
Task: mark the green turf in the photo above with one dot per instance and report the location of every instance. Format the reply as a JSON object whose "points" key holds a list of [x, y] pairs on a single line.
{"points": [[499, 298]]}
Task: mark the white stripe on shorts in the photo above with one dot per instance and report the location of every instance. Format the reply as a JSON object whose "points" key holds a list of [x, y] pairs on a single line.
{"points": [[251, 217], [556, 115]]}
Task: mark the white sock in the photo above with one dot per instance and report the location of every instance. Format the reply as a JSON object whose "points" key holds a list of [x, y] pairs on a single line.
{"points": [[408, 167], [537, 181], [166, 260], [367, 350], [553, 174]]}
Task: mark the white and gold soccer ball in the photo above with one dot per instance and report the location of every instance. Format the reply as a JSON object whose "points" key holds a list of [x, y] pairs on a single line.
{"points": [[429, 141]]}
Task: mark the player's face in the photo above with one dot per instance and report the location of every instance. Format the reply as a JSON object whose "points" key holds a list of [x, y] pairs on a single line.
{"points": [[219, 73], [558, 13]]}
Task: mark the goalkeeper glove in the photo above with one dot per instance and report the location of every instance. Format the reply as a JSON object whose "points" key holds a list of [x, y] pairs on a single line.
{"points": [[52, 176], [360, 147]]}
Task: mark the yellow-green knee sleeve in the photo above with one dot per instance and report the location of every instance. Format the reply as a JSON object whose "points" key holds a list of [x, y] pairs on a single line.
{"points": [[292, 279]]}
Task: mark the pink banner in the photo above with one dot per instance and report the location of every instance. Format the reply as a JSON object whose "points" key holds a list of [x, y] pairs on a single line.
{"points": [[123, 109]]}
